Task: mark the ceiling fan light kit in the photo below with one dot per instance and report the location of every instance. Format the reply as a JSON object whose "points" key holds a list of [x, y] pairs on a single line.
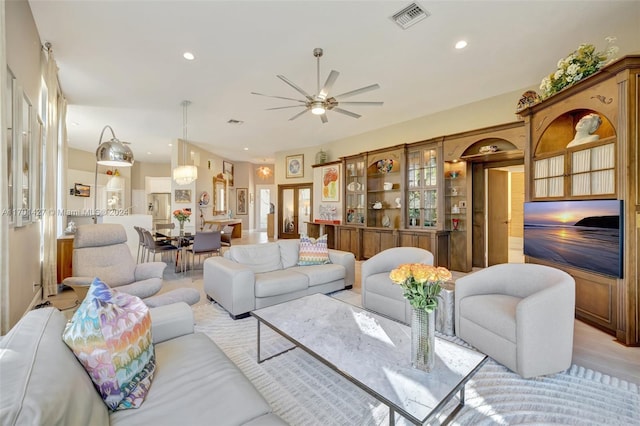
{"points": [[322, 102]]}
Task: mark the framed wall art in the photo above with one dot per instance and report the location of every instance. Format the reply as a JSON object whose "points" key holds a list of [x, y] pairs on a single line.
{"points": [[80, 190], [242, 200], [330, 183], [295, 166], [227, 168], [183, 196]]}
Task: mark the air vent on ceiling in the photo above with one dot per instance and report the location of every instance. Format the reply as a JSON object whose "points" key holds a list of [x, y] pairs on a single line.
{"points": [[410, 15], [234, 121]]}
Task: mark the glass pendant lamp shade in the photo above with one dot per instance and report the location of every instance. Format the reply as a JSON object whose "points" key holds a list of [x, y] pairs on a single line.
{"points": [[185, 174]]}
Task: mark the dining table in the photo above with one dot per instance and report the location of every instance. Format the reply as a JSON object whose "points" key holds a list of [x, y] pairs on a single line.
{"points": [[183, 242]]}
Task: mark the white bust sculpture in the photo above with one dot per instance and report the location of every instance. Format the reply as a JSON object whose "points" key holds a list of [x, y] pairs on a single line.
{"points": [[585, 128]]}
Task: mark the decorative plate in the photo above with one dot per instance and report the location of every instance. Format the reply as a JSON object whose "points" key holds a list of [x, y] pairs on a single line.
{"points": [[385, 166], [204, 198]]}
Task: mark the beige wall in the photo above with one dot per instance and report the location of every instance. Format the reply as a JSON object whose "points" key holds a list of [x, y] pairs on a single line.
{"points": [[141, 170], [23, 58]]}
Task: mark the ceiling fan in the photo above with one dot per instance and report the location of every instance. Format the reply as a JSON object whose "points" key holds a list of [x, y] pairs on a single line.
{"points": [[322, 102]]}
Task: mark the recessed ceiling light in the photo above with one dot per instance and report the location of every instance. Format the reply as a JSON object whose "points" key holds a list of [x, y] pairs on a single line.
{"points": [[461, 44], [189, 56], [149, 152], [246, 149], [170, 144]]}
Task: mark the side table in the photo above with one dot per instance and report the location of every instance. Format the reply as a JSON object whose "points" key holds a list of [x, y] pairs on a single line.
{"points": [[445, 319]]}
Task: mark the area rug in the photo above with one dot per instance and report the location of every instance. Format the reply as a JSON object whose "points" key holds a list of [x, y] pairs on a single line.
{"points": [[303, 391]]}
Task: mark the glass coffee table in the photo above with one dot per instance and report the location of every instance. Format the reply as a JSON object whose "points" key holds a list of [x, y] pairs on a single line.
{"points": [[373, 352]]}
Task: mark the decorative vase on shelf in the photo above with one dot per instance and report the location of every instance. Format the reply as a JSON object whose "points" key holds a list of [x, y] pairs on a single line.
{"points": [[423, 339]]}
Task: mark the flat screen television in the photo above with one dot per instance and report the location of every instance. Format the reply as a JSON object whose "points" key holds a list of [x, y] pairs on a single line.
{"points": [[582, 234]]}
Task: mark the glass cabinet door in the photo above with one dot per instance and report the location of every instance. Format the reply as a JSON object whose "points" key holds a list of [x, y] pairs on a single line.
{"points": [[422, 181], [355, 190]]}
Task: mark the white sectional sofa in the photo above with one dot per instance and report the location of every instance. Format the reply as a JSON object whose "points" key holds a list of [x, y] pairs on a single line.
{"points": [[253, 276], [194, 383]]}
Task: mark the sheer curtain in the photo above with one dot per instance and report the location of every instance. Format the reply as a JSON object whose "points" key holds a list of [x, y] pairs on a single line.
{"points": [[55, 129], [4, 201]]}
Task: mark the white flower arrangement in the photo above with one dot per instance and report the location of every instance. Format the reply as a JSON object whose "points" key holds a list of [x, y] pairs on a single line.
{"points": [[581, 63]]}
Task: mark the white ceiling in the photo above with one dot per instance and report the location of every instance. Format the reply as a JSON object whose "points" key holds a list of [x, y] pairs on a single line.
{"points": [[121, 63]]}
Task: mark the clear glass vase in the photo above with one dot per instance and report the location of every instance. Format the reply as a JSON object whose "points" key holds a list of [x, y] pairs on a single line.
{"points": [[182, 229], [423, 339]]}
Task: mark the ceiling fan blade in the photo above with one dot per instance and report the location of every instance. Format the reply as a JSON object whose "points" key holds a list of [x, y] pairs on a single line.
{"points": [[345, 112], [358, 91], [278, 97], [362, 103], [298, 114], [324, 118], [295, 86], [333, 76], [284, 107]]}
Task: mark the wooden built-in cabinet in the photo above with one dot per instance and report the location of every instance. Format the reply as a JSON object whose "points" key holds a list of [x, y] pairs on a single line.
{"points": [[64, 260], [606, 168]]}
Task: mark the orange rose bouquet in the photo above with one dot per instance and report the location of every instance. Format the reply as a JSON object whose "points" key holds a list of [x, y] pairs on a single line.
{"points": [[421, 283], [182, 215]]}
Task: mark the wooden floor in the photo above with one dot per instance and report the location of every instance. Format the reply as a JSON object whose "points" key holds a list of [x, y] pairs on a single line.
{"points": [[592, 348]]}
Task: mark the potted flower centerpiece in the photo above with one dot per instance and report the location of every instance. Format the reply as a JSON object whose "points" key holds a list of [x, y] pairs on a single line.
{"points": [[422, 285], [182, 215]]}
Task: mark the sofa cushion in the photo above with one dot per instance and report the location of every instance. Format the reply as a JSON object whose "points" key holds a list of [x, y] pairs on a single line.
{"points": [[42, 382], [313, 251], [321, 274], [289, 251], [110, 334], [195, 384], [494, 312], [258, 257], [275, 283]]}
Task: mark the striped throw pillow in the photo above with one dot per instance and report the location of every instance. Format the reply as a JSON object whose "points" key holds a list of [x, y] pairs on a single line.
{"points": [[312, 251], [110, 334]]}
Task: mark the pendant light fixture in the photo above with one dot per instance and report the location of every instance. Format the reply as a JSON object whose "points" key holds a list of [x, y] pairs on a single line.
{"points": [[184, 175]]}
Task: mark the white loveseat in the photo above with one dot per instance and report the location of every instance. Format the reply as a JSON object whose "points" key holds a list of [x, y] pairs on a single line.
{"points": [[254, 276], [194, 383]]}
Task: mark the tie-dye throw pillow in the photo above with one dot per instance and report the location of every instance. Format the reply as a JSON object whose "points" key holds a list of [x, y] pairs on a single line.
{"points": [[312, 251], [110, 334]]}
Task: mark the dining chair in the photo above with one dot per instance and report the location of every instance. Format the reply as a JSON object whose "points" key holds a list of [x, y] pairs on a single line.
{"points": [[225, 236], [141, 245], [205, 243], [154, 247]]}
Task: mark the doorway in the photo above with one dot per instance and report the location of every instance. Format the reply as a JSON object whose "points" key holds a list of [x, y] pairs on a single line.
{"points": [[294, 209], [264, 206], [498, 205]]}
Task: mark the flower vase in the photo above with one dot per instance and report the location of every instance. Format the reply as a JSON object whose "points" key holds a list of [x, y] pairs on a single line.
{"points": [[182, 229], [423, 339]]}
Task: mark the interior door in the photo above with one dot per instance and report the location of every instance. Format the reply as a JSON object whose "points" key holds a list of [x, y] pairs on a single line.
{"points": [[294, 209], [497, 217]]}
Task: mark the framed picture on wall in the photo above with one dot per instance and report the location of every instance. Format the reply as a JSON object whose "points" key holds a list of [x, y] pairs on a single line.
{"points": [[295, 166], [183, 196], [80, 190], [242, 200], [331, 183], [227, 168]]}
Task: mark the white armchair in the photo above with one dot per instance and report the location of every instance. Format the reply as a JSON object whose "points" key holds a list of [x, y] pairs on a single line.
{"points": [[379, 293], [521, 315]]}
